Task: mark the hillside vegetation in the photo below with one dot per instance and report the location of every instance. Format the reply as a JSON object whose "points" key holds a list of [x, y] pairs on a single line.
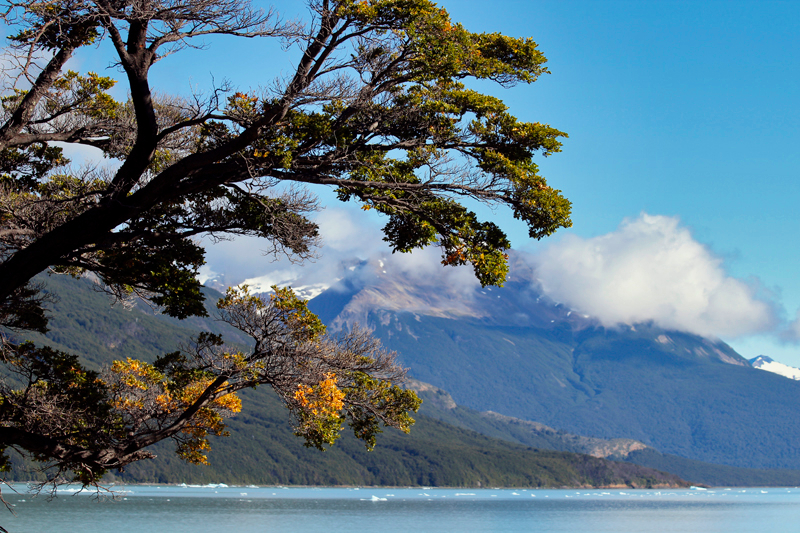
{"points": [[440, 405], [263, 450]]}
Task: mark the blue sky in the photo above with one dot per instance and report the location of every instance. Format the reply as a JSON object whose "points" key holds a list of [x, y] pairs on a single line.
{"points": [[681, 110], [678, 108]]}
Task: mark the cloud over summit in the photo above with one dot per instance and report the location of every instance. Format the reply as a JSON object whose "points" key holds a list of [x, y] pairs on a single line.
{"points": [[652, 269], [649, 269]]}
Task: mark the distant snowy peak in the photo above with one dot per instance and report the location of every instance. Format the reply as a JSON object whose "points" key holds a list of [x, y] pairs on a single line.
{"points": [[305, 292], [309, 292], [762, 362]]}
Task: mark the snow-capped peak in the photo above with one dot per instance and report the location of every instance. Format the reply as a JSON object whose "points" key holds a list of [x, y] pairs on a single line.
{"points": [[308, 292], [762, 362]]}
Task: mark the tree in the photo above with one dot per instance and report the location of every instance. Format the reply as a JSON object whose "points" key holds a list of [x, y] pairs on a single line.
{"points": [[378, 108]]}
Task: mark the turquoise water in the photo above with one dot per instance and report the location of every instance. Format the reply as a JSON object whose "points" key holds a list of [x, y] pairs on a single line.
{"points": [[219, 508]]}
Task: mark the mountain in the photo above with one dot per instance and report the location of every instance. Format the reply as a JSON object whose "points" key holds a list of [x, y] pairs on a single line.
{"points": [[440, 405], [762, 362], [514, 351], [262, 448]]}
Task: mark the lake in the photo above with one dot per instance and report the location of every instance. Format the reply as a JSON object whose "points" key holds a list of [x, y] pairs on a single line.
{"points": [[220, 508]]}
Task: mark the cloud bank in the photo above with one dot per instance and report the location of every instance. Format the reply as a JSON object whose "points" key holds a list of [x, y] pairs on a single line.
{"points": [[651, 269]]}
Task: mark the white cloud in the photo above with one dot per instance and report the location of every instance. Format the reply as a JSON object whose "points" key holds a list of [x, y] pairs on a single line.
{"points": [[651, 269], [344, 231], [424, 268], [347, 236]]}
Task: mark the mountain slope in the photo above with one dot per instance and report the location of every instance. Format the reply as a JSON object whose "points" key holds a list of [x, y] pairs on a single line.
{"points": [[84, 321], [440, 405], [512, 351], [262, 448]]}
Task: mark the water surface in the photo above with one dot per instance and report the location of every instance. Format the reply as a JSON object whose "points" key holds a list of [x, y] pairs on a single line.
{"points": [[219, 508]]}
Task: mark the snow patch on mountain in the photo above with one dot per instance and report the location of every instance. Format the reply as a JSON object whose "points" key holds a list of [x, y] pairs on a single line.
{"points": [[762, 362], [306, 291]]}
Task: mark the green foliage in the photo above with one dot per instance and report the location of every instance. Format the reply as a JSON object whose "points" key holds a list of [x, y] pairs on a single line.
{"points": [[50, 36], [293, 312], [378, 109], [427, 118], [399, 147], [24, 310], [87, 93], [77, 402], [396, 401], [263, 450], [171, 266], [21, 169]]}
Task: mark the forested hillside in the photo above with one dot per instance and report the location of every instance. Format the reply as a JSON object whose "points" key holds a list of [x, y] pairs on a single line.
{"points": [[262, 449], [440, 405]]}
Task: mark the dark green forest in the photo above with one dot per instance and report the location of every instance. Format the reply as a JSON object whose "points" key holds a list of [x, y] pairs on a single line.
{"points": [[450, 445], [262, 448]]}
